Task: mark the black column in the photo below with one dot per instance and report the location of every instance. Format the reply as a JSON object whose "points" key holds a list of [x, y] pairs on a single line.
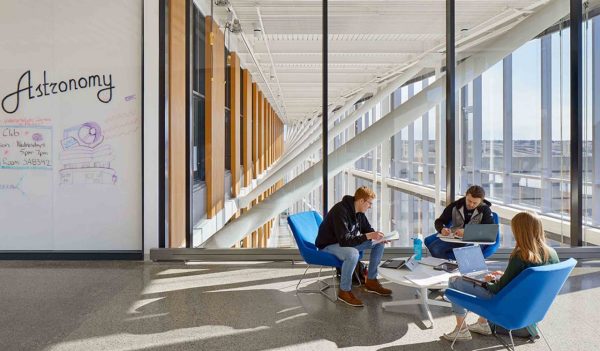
{"points": [[325, 98], [576, 123], [189, 168], [162, 120], [450, 104]]}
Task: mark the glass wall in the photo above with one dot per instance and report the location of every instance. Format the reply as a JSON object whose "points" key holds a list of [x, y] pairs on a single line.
{"points": [[513, 118], [198, 93]]}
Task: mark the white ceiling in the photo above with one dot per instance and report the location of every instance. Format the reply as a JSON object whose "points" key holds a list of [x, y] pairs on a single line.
{"points": [[368, 41]]}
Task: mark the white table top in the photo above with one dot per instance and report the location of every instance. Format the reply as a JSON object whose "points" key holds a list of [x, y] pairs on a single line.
{"points": [[461, 241], [439, 279]]}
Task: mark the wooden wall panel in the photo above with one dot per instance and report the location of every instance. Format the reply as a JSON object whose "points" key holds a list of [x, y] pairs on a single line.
{"points": [[273, 126], [247, 128], [280, 139], [234, 69], [269, 135], [177, 124], [272, 135], [215, 118], [255, 119], [261, 132]]}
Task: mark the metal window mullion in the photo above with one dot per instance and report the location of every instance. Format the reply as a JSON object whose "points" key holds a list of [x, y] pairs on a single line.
{"points": [[386, 158], [411, 139], [546, 108], [325, 103], [425, 141], [463, 127], [507, 128], [576, 88], [477, 130], [394, 140], [374, 156], [351, 181], [596, 121], [450, 143], [439, 143]]}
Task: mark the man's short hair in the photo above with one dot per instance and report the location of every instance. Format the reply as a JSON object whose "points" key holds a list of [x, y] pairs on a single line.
{"points": [[364, 193], [476, 191]]}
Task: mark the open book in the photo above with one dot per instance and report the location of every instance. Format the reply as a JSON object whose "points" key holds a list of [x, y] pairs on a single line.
{"points": [[449, 236], [393, 235]]}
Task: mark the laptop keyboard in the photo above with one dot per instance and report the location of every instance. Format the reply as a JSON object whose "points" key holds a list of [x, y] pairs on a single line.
{"points": [[478, 275]]}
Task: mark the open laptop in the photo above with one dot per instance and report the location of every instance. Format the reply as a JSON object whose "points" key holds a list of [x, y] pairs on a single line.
{"points": [[485, 233], [471, 263]]}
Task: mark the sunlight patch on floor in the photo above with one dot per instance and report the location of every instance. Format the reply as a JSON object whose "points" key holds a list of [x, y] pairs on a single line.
{"points": [[131, 342]]}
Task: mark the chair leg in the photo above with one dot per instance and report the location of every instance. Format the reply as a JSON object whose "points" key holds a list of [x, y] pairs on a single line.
{"points": [[543, 337], [512, 342], [321, 290], [504, 343], [334, 278], [459, 328], [303, 275]]}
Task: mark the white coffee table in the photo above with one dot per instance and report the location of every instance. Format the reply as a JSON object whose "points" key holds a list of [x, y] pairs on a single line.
{"points": [[439, 280]]}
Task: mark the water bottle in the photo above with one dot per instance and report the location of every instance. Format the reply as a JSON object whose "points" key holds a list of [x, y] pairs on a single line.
{"points": [[418, 247]]}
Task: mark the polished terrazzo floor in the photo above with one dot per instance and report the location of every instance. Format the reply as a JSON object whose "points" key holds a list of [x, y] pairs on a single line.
{"points": [[239, 306]]}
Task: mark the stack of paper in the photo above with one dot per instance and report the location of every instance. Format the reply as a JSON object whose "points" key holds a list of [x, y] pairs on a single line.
{"points": [[424, 280], [432, 261]]}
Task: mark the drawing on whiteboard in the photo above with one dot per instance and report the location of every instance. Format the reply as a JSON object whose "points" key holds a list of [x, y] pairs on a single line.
{"points": [[122, 124], [85, 158], [13, 187]]}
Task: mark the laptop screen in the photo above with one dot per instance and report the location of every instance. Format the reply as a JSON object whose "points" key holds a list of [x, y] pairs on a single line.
{"points": [[470, 259]]}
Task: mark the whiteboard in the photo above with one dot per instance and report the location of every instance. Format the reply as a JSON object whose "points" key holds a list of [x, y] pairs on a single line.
{"points": [[70, 125]]}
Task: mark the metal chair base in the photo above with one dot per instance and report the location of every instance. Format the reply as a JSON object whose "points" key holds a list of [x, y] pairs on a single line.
{"points": [[324, 285], [510, 347]]}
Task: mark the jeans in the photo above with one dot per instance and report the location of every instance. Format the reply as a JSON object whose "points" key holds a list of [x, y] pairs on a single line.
{"points": [[349, 255], [458, 283]]}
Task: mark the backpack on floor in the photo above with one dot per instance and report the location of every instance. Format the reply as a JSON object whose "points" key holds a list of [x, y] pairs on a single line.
{"points": [[529, 332], [360, 272]]}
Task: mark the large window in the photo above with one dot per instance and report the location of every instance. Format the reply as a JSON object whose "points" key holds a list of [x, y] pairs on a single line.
{"points": [[198, 94]]}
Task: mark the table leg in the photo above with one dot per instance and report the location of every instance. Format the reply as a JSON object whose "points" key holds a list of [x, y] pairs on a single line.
{"points": [[421, 299], [424, 300]]}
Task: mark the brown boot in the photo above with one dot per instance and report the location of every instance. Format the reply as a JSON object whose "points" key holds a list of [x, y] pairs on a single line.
{"points": [[349, 298], [373, 285]]}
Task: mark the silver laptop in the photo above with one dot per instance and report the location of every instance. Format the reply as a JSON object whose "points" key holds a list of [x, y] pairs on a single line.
{"points": [[485, 233], [471, 263]]}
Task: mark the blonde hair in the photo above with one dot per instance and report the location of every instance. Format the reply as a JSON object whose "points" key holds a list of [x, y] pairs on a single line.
{"points": [[364, 193], [530, 238]]}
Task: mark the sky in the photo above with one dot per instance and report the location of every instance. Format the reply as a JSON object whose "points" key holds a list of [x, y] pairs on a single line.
{"points": [[526, 95]]}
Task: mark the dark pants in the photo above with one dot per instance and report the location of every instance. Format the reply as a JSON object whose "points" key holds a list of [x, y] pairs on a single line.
{"points": [[442, 249]]}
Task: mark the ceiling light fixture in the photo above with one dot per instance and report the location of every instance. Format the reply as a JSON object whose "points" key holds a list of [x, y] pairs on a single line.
{"points": [[235, 27], [222, 2]]}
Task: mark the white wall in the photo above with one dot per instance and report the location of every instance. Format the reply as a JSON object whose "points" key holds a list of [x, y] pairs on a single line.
{"points": [[70, 144], [151, 55]]}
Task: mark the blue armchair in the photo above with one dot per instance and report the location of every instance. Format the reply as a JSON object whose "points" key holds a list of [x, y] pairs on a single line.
{"points": [[487, 250], [305, 227], [524, 301]]}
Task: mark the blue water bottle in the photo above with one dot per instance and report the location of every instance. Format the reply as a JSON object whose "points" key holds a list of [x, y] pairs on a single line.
{"points": [[418, 247]]}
